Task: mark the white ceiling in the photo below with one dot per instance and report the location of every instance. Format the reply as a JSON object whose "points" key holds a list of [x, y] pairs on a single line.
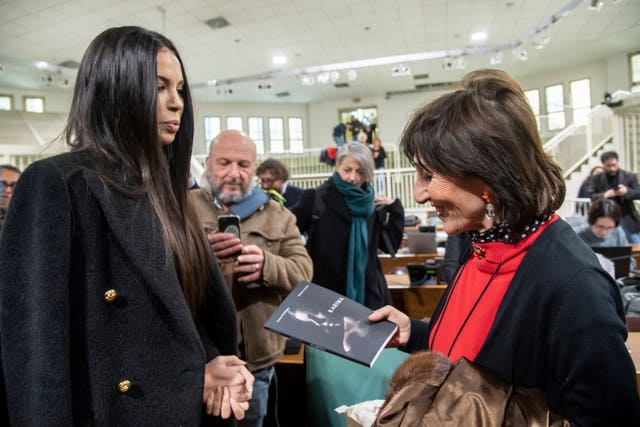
{"points": [[315, 33]]}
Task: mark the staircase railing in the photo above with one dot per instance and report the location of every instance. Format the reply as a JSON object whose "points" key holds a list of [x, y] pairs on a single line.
{"points": [[574, 145]]}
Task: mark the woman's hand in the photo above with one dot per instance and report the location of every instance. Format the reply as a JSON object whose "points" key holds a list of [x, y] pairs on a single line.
{"points": [[220, 403], [392, 314], [228, 386]]}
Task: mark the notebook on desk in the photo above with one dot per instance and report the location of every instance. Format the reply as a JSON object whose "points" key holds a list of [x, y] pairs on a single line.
{"points": [[422, 243], [619, 255]]}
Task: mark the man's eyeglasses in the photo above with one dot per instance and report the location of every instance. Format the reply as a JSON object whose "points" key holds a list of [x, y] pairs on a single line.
{"points": [[5, 184]]}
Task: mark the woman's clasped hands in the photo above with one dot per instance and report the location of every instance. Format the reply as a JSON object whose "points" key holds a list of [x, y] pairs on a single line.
{"points": [[228, 386]]}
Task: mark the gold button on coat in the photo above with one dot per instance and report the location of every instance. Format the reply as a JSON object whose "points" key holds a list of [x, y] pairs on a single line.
{"points": [[124, 386], [110, 295]]}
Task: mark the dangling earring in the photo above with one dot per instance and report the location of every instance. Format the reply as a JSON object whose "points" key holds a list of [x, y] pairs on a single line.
{"points": [[489, 211]]}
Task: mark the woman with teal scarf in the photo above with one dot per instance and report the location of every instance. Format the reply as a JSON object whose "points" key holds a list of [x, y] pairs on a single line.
{"points": [[346, 225]]}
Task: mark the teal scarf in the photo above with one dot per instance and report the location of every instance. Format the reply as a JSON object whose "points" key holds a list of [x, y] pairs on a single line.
{"points": [[360, 204]]}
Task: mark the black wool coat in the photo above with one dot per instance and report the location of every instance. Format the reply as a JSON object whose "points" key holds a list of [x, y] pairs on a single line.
{"points": [[328, 242], [68, 344]]}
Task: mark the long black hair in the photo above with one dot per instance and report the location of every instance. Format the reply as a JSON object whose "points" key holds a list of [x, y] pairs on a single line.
{"points": [[113, 117]]}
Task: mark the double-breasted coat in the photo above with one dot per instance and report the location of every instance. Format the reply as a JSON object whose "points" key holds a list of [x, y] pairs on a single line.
{"points": [[95, 327]]}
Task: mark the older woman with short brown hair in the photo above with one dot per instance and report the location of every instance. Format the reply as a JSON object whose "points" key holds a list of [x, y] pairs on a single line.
{"points": [[529, 301]]}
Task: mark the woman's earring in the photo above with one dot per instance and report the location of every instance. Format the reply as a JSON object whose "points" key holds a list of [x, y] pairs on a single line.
{"points": [[489, 211]]}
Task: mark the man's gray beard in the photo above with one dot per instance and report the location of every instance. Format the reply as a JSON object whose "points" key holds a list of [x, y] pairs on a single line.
{"points": [[229, 199]]}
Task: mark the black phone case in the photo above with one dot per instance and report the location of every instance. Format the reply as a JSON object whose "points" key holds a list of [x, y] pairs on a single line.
{"points": [[229, 224]]}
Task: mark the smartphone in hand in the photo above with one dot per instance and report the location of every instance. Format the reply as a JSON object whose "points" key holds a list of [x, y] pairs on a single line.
{"points": [[230, 224]]}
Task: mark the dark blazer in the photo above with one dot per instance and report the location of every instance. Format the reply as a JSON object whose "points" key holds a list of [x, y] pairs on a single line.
{"points": [[292, 195], [560, 328], [328, 247], [630, 216], [66, 346]]}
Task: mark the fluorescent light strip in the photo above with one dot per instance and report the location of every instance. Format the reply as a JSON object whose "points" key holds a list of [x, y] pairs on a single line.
{"points": [[385, 60]]}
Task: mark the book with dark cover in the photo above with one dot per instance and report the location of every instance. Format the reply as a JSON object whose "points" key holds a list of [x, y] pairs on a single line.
{"points": [[331, 322]]}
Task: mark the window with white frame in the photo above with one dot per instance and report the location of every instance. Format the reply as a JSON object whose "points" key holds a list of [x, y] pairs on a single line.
{"points": [[234, 123], [211, 129], [580, 100], [34, 104], [555, 107], [256, 132], [6, 102], [276, 134], [634, 64], [296, 140], [533, 96]]}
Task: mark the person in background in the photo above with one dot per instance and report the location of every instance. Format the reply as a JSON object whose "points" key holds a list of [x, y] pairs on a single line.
{"points": [[622, 187], [338, 135], [586, 189], [345, 233], [355, 126], [363, 139], [113, 309], [531, 303], [378, 162], [604, 219], [8, 178], [603, 230], [371, 131], [272, 256], [273, 175]]}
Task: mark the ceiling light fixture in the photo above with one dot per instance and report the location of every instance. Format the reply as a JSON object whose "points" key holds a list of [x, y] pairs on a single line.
{"points": [[307, 80], [372, 62], [479, 36], [323, 78], [540, 40], [279, 60], [352, 75], [400, 70], [520, 54], [454, 63], [595, 5], [459, 63], [496, 58]]}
